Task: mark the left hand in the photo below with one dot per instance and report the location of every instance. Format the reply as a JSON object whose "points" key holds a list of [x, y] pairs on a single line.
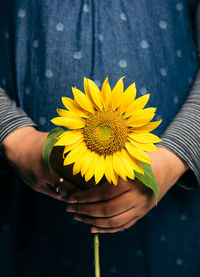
{"points": [[110, 209]]}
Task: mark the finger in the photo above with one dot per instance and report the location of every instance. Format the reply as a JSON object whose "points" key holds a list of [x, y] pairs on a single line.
{"points": [[109, 208], [66, 189], [103, 192], [108, 222], [114, 230], [50, 191]]}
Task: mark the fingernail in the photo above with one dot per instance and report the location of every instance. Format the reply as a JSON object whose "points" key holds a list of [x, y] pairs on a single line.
{"points": [[70, 209], [72, 201], [93, 230], [76, 217]]}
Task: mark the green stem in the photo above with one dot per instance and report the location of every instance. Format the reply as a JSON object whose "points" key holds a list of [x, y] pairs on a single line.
{"points": [[96, 255]]}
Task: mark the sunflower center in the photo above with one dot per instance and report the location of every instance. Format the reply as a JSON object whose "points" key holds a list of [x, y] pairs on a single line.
{"points": [[105, 132]]}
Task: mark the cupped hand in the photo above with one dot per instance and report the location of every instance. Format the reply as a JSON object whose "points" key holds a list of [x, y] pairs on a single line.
{"points": [[110, 209], [23, 150]]}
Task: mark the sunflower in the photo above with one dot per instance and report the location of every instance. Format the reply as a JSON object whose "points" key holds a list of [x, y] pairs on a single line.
{"points": [[108, 131]]}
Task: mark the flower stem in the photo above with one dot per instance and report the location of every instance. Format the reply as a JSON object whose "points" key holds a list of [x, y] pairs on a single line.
{"points": [[96, 255]]}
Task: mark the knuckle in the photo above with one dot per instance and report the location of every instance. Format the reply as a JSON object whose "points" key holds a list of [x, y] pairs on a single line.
{"points": [[106, 210], [113, 222], [105, 195]]}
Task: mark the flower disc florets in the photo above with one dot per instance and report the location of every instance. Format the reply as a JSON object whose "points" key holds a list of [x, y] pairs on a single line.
{"points": [[105, 132]]}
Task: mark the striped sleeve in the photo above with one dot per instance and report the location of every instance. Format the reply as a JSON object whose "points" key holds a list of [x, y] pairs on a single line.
{"points": [[183, 134], [11, 117]]}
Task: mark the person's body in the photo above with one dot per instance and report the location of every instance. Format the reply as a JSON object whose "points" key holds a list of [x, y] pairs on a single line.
{"points": [[48, 48]]}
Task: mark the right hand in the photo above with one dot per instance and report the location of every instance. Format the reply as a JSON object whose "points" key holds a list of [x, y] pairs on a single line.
{"points": [[22, 148]]}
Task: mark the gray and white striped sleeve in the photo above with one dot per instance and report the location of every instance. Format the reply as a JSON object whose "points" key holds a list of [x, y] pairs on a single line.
{"points": [[11, 117], [183, 134]]}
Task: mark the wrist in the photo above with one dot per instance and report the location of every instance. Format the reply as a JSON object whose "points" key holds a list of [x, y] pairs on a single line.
{"points": [[167, 168], [16, 140]]}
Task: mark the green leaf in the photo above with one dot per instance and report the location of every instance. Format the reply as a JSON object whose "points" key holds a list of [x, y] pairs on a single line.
{"points": [[148, 179], [49, 143]]}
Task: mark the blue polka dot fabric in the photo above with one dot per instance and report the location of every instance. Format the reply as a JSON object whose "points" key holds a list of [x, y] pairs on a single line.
{"points": [[47, 47]]}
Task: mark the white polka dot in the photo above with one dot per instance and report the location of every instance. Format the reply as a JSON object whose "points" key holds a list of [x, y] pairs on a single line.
{"points": [[27, 91], [60, 27], [163, 72], [143, 91], [175, 100], [123, 16], [35, 43], [179, 261], [140, 253], [21, 13], [98, 83], [86, 8], [190, 80], [179, 7], [194, 54], [144, 44], [6, 35], [163, 24], [179, 53], [101, 37], [183, 217], [3, 81], [49, 73], [5, 228], [158, 117], [123, 63], [77, 55], [162, 238], [42, 120], [113, 269]]}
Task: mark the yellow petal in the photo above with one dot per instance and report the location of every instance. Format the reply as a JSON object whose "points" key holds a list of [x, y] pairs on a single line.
{"points": [[86, 161], [83, 100], [74, 107], [76, 167], [137, 105], [70, 147], [106, 94], [90, 172], [141, 117], [119, 167], [94, 94], [75, 154], [149, 147], [86, 87], [148, 127], [99, 169], [128, 97], [145, 138], [108, 168], [137, 153], [133, 162], [110, 174], [117, 94], [127, 165], [71, 123], [69, 137], [114, 177], [66, 113]]}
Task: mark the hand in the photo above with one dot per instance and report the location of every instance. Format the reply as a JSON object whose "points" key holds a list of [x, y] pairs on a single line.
{"points": [[110, 209], [23, 150]]}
